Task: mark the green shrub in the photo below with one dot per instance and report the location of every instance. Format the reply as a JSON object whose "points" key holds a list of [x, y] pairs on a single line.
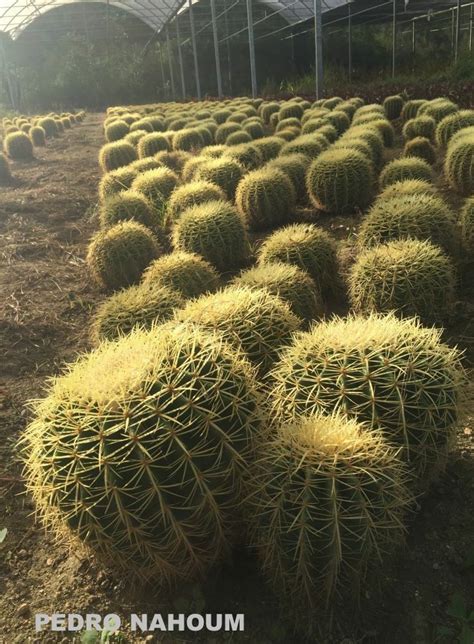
{"points": [[216, 231], [420, 147], [129, 478], [416, 216], [419, 126], [451, 124], [116, 181], [397, 377], [308, 247], [157, 186], [139, 305], [288, 282], [190, 194], [405, 168], [149, 144], [295, 167], [265, 198], [118, 256], [128, 205], [186, 273], [340, 181], [252, 319], [37, 136], [393, 106], [116, 131], [458, 165], [223, 172], [327, 508], [5, 172], [408, 276], [18, 146], [116, 155]]}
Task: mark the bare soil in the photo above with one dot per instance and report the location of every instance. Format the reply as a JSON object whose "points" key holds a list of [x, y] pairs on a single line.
{"points": [[46, 298]]}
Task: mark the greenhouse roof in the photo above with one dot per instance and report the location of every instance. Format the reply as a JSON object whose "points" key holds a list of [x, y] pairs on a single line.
{"points": [[16, 15]]}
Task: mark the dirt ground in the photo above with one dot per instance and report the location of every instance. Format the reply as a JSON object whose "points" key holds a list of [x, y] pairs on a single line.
{"points": [[46, 297]]}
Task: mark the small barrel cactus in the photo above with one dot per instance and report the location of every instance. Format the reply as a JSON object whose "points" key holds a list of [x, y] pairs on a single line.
{"points": [[115, 155], [116, 181], [269, 147], [371, 136], [254, 128], [118, 256], [246, 154], [405, 168], [142, 305], [49, 126], [267, 109], [237, 138], [419, 126], [174, 160], [416, 216], [393, 106], [408, 187], [217, 232], [459, 164], [310, 248], [395, 375], [451, 124], [327, 507], [150, 144], [291, 109], [410, 108], [190, 194], [265, 198], [339, 120], [18, 146], [290, 283], [252, 319], [310, 145], [116, 130], [224, 130], [186, 273], [189, 140], [157, 186], [37, 135], [153, 457], [225, 172], [420, 147], [410, 277], [128, 205], [295, 167], [438, 108], [340, 181], [5, 171]]}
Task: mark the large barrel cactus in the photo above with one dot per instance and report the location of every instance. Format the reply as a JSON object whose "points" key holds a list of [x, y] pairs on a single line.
{"points": [[328, 507], [340, 181], [139, 451], [409, 276], [252, 319], [459, 164], [187, 273], [405, 168], [394, 374], [393, 106], [115, 155], [265, 198]]}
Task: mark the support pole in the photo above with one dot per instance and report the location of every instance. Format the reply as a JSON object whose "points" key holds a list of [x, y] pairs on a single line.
{"points": [[195, 55], [318, 49], [170, 63], [394, 36], [470, 28], [349, 39], [228, 50], [216, 49], [452, 29], [458, 31], [180, 58], [163, 79], [253, 71]]}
